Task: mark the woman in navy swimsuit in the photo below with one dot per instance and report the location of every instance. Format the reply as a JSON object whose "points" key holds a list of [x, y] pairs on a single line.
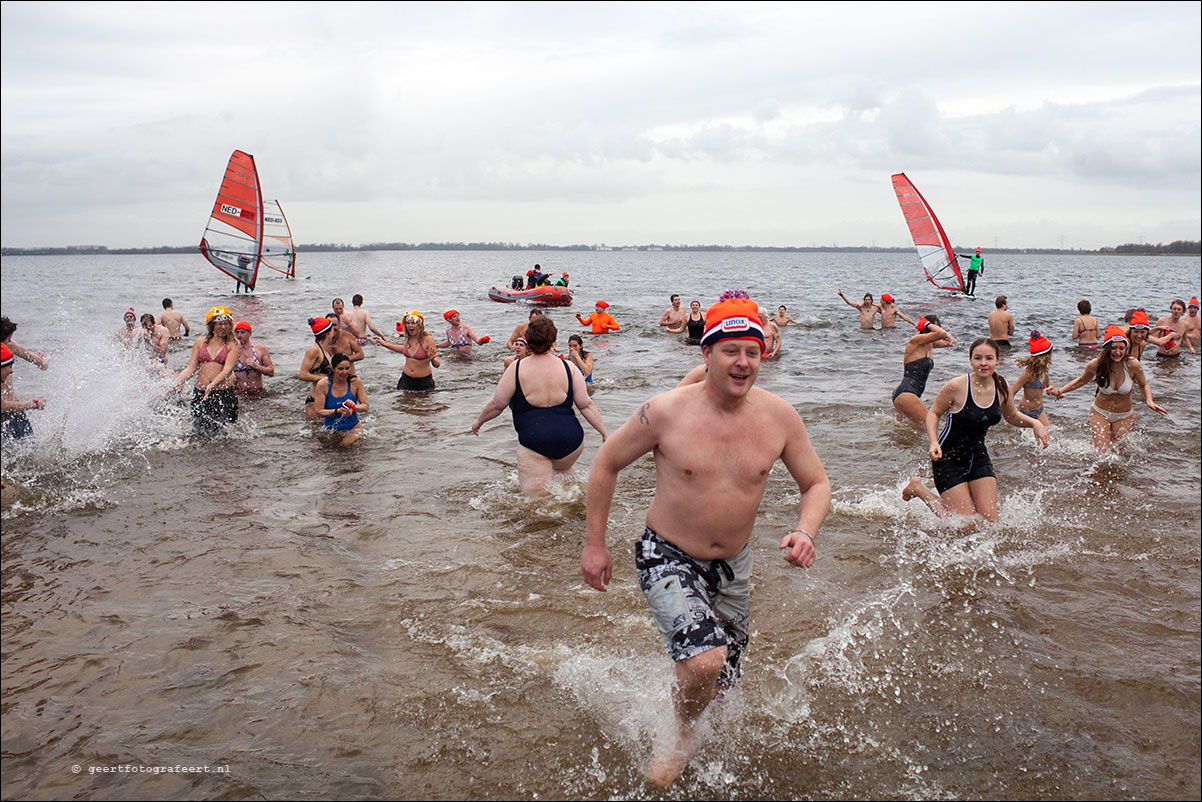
{"points": [[540, 390]]}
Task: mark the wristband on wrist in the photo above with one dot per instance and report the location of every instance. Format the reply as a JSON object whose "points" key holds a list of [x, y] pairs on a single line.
{"points": [[807, 533]]}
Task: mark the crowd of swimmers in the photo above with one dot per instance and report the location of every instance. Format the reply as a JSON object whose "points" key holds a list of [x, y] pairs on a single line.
{"points": [[715, 437]]}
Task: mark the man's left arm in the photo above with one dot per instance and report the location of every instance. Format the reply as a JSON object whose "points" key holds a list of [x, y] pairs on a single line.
{"points": [[804, 465]]}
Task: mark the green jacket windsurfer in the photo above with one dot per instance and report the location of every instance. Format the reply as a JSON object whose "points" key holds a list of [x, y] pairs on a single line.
{"points": [[975, 267]]}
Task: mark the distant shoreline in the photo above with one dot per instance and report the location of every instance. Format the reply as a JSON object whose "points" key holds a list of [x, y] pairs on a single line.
{"points": [[1178, 248]]}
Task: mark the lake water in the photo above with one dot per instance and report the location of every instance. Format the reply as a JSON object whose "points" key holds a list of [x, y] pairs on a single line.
{"points": [[395, 620]]}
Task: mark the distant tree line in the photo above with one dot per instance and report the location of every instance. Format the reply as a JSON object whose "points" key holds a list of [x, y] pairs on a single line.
{"points": [[1175, 248]]}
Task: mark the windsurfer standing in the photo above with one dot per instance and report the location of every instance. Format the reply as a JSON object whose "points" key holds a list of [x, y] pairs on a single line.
{"points": [[976, 266]]}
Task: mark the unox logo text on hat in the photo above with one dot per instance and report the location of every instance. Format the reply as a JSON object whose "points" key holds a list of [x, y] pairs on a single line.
{"points": [[736, 324], [735, 316]]}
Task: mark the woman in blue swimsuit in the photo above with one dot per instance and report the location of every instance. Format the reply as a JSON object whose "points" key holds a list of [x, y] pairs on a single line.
{"points": [[540, 390], [963, 472], [344, 398]]}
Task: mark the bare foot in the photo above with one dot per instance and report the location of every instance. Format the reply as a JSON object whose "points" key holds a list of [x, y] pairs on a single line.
{"points": [[665, 769], [911, 489]]}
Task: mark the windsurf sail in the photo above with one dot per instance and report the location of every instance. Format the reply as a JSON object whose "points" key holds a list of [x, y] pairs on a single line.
{"points": [[278, 251], [934, 248], [233, 238]]}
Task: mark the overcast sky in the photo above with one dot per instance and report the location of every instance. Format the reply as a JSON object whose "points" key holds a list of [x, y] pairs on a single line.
{"points": [[1024, 124]]}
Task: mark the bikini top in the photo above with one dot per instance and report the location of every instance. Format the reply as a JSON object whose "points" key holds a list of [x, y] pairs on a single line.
{"points": [[419, 353], [457, 342], [1122, 389], [242, 368], [203, 356], [1038, 384]]}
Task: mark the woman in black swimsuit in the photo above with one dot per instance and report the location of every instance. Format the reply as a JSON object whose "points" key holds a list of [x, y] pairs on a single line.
{"points": [[696, 323], [316, 363], [916, 366], [540, 389], [963, 472]]}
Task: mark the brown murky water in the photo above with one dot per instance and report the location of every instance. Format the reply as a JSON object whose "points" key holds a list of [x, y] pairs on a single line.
{"points": [[395, 620]]}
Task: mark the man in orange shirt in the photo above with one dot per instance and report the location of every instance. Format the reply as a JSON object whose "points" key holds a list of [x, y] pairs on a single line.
{"points": [[601, 321]]}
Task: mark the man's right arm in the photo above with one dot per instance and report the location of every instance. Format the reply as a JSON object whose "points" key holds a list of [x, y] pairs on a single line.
{"points": [[636, 437]]}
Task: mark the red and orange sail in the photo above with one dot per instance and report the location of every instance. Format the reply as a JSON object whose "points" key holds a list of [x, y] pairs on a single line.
{"points": [[934, 248], [233, 239]]}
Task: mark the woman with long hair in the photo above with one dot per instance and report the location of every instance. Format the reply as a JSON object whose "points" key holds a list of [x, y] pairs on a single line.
{"points": [[420, 352], [212, 361], [1034, 379], [540, 390], [916, 367], [971, 404], [1117, 373], [342, 397], [581, 358]]}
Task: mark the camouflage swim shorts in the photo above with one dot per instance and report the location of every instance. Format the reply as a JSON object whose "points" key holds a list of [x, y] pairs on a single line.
{"points": [[697, 604]]}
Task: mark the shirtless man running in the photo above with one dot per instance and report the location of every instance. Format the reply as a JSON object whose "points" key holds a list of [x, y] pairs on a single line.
{"points": [[172, 320], [1001, 322], [675, 317], [714, 443]]}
